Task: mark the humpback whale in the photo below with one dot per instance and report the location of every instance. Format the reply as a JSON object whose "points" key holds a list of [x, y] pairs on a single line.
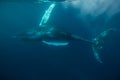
{"points": [[52, 35]]}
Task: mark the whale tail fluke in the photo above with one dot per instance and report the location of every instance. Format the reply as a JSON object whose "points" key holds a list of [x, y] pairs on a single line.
{"points": [[99, 41]]}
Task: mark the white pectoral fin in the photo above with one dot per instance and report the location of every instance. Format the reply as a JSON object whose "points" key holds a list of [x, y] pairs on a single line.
{"points": [[56, 43], [47, 14]]}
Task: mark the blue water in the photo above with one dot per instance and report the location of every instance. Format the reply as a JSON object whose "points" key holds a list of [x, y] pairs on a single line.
{"points": [[36, 61]]}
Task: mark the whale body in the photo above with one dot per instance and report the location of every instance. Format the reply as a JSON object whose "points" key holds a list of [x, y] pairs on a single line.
{"points": [[50, 35]]}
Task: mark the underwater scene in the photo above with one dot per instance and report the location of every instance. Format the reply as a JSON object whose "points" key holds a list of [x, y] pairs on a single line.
{"points": [[59, 40]]}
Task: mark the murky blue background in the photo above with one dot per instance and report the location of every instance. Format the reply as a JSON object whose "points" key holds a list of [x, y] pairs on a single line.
{"points": [[36, 61]]}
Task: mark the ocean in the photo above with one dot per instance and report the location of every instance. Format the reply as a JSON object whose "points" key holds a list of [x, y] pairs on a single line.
{"points": [[38, 61]]}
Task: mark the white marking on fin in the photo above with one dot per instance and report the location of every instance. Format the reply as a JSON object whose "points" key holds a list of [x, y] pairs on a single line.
{"points": [[47, 14], [56, 43]]}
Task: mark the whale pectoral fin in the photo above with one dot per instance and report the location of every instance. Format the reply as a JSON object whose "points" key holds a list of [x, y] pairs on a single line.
{"points": [[56, 43], [46, 15]]}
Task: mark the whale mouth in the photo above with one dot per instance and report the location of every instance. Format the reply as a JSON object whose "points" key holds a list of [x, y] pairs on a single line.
{"points": [[53, 43]]}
